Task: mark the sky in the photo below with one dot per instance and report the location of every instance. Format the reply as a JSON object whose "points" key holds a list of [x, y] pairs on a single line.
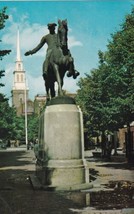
{"points": [[91, 24]]}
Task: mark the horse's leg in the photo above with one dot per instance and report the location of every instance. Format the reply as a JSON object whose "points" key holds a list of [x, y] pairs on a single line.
{"points": [[72, 71], [61, 86], [58, 79]]}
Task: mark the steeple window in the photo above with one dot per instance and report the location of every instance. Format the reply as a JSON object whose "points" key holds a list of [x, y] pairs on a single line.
{"points": [[17, 77], [22, 78]]}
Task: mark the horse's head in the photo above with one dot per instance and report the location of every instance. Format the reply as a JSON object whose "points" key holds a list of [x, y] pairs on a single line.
{"points": [[62, 33]]}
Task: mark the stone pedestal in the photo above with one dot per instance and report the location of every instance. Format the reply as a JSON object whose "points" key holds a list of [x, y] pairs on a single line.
{"points": [[61, 148]]}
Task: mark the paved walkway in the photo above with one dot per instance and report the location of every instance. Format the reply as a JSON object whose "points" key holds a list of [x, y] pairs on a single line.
{"points": [[115, 171], [18, 197]]}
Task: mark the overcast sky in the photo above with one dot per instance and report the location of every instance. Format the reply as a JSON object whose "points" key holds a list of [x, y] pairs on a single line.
{"points": [[90, 23]]}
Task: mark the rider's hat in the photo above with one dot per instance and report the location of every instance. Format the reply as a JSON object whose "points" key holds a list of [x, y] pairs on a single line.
{"points": [[51, 25]]}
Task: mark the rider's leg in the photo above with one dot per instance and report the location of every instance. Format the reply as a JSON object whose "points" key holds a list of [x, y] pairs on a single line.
{"points": [[45, 68], [46, 62]]}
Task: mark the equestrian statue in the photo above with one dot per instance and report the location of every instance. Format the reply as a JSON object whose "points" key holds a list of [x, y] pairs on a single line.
{"points": [[58, 58]]}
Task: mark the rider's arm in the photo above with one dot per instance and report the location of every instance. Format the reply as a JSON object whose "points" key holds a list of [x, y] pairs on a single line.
{"points": [[39, 46]]}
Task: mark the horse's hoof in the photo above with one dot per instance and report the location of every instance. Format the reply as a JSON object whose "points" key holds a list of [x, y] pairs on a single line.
{"points": [[69, 74], [76, 74]]}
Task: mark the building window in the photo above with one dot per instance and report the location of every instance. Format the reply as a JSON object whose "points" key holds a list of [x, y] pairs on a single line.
{"points": [[17, 77], [21, 77]]}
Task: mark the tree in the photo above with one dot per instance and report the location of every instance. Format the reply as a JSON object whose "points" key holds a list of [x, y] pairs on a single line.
{"points": [[120, 58], [3, 18], [8, 120], [33, 127], [106, 96], [5, 111], [93, 95]]}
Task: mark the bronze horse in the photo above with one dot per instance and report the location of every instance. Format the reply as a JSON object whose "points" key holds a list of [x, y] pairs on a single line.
{"points": [[60, 61]]}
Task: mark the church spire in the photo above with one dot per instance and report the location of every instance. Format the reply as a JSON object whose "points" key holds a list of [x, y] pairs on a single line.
{"points": [[19, 73], [18, 46], [19, 64]]}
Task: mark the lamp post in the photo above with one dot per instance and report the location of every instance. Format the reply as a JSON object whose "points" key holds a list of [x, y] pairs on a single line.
{"points": [[26, 135]]}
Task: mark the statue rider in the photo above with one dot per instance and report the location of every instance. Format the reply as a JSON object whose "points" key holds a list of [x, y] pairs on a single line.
{"points": [[52, 41]]}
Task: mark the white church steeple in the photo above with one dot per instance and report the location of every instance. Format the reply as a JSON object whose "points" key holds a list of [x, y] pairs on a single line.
{"points": [[20, 89], [19, 73]]}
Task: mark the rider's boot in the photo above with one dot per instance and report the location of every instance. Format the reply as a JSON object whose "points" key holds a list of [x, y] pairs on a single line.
{"points": [[44, 75]]}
